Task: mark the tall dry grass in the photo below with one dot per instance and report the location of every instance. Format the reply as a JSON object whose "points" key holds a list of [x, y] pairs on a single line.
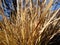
{"points": [[32, 25]]}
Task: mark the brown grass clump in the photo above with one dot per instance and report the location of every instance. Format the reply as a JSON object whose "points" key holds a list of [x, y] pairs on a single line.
{"points": [[33, 25]]}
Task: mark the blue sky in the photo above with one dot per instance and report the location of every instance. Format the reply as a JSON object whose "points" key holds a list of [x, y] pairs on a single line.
{"points": [[0, 17], [56, 6]]}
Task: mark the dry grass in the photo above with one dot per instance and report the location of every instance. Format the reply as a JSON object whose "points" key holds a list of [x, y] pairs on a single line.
{"points": [[31, 26]]}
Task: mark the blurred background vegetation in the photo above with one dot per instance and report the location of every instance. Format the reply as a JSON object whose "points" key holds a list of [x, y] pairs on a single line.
{"points": [[29, 22], [9, 6]]}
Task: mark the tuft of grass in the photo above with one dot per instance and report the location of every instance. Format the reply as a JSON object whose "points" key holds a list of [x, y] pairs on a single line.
{"points": [[32, 25]]}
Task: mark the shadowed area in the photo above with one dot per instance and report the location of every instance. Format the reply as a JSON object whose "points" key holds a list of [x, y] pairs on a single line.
{"points": [[55, 40]]}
